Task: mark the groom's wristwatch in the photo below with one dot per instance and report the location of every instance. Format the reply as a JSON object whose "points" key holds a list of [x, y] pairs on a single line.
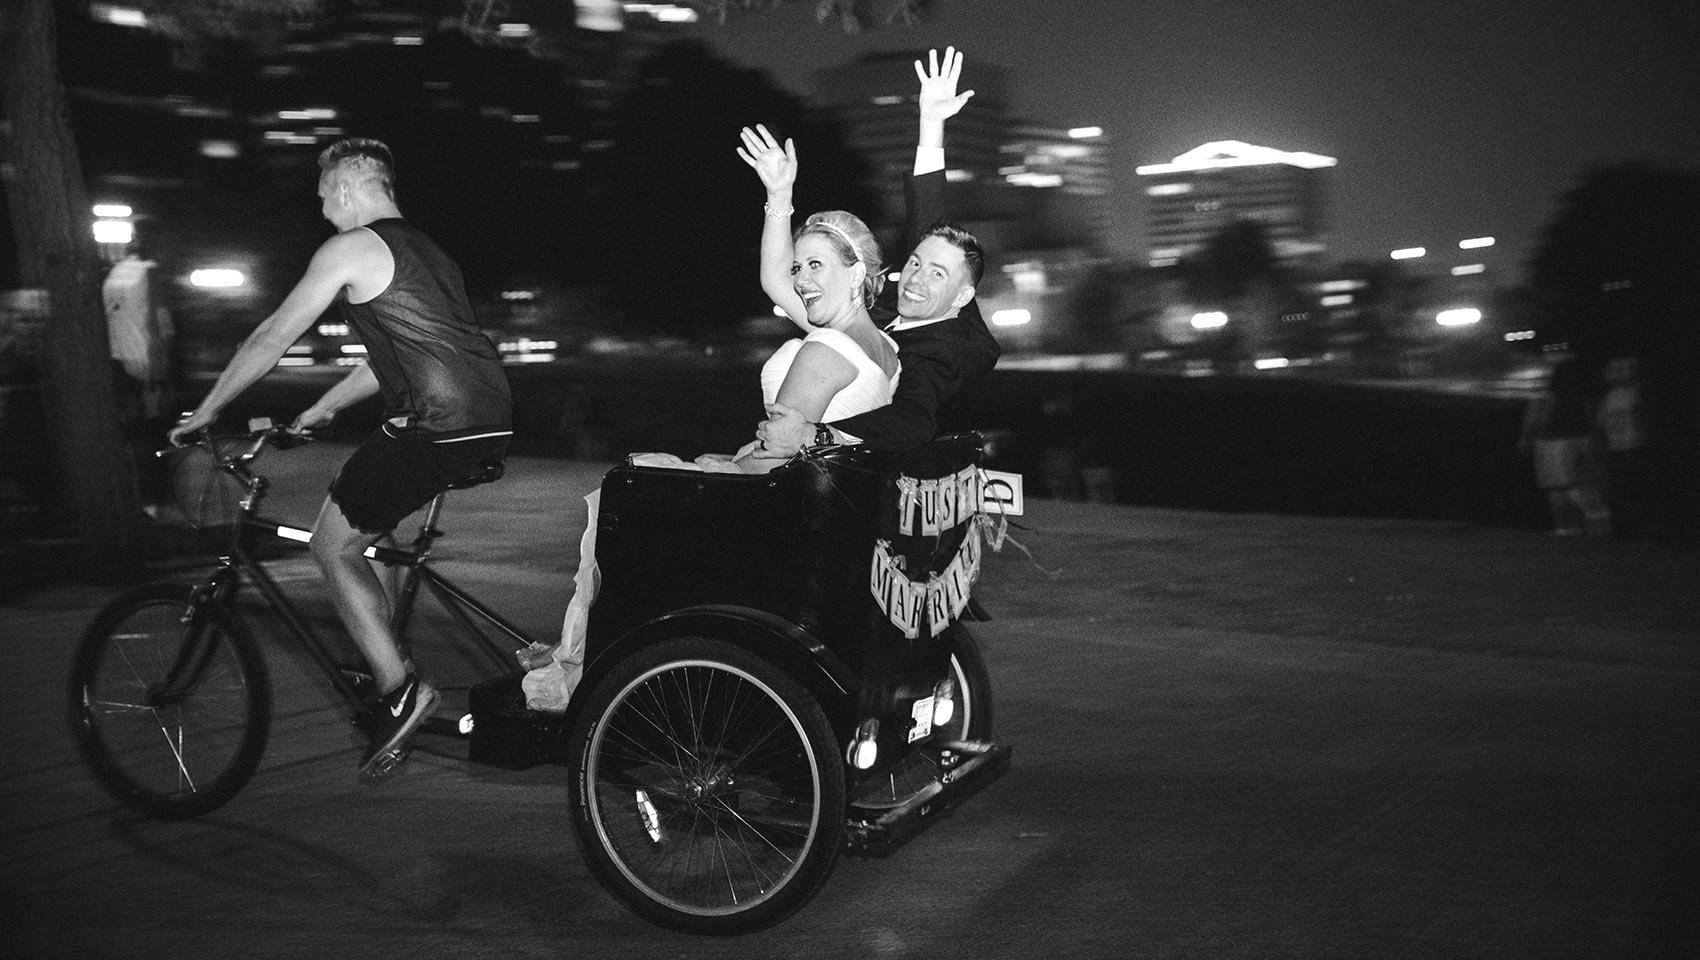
{"points": [[823, 435]]}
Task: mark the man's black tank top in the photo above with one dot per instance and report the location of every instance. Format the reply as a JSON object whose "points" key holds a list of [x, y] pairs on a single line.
{"points": [[440, 376]]}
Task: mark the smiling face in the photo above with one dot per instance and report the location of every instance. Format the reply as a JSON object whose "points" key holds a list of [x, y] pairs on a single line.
{"points": [[830, 290], [935, 283]]}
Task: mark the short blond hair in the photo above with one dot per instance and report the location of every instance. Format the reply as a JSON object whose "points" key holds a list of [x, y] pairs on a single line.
{"points": [[361, 162]]}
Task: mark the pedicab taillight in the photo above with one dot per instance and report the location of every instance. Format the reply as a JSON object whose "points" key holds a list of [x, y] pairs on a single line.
{"points": [[865, 748]]}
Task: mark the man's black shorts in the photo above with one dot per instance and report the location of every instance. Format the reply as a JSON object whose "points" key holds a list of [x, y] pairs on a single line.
{"points": [[389, 477]]}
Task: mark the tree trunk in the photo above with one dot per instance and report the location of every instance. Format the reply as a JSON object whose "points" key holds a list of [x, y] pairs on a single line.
{"points": [[56, 251]]}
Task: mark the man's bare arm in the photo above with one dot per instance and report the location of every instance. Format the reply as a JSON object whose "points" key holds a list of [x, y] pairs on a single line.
{"points": [[360, 383], [335, 263]]}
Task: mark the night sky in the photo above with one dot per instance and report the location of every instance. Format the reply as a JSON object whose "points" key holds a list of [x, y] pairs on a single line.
{"points": [[1450, 118]]}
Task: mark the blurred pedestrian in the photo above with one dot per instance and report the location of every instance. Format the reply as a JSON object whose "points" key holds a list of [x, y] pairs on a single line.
{"points": [[1558, 429], [1623, 430], [139, 333]]}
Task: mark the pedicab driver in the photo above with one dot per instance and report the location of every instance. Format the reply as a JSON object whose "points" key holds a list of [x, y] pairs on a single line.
{"points": [[447, 403]]}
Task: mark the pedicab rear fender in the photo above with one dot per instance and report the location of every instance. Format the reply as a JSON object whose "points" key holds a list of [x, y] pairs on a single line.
{"points": [[802, 656]]}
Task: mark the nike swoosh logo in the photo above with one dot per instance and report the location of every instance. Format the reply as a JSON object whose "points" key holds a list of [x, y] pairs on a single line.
{"points": [[395, 711]]}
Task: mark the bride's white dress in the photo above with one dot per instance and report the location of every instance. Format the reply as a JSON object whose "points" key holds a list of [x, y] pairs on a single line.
{"points": [[871, 388], [548, 687]]}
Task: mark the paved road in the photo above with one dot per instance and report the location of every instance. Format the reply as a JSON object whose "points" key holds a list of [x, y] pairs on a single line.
{"points": [[1236, 736]]}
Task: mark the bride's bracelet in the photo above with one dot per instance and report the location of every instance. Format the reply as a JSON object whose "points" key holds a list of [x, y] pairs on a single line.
{"points": [[778, 213]]}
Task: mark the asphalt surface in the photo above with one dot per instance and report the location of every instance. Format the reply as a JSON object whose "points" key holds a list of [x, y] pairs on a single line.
{"points": [[1236, 735]]}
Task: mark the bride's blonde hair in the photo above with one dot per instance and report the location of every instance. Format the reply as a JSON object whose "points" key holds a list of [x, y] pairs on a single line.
{"points": [[855, 244]]}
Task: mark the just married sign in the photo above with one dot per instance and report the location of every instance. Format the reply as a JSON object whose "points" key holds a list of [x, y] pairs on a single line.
{"points": [[930, 508]]}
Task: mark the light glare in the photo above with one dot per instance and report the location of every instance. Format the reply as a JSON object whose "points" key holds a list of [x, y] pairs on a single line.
{"points": [[1462, 316], [1408, 253], [114, 231], [1475, 242], [118, 16], [1011, 318], [112, 210], [1209, 320], [216, 277]]}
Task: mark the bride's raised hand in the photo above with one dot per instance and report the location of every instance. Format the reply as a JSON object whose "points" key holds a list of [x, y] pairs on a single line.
{"points": [[775, 165]]}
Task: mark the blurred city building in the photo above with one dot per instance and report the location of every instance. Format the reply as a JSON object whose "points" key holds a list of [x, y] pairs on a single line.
{"points": [[211, 129], [874, 99], [1037, 196], [1194, 196]]}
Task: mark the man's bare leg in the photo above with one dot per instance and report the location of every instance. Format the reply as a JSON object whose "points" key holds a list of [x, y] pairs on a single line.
{"points": [[357, 593]]}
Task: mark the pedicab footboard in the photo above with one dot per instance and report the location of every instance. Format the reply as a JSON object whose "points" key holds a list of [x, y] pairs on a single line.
{"points": [[506, 734], [972, 764]]}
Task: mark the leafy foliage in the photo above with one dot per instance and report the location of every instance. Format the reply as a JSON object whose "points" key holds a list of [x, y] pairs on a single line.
{"points": [[1616, 267]]}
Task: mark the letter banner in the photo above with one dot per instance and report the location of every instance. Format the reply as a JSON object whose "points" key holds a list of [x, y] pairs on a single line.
{"points": [[940, 600]]}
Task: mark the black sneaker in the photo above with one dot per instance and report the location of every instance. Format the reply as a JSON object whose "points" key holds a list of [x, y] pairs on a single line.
{"points": [[394, 719]]}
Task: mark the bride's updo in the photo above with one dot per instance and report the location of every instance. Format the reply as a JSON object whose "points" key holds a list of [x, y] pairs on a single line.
{"points": [[854, 242]]}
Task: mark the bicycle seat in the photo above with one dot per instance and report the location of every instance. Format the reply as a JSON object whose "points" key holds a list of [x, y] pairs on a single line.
{"points": [[485, 472]]}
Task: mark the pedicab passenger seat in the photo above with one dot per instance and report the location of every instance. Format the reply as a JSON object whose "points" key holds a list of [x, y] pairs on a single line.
{"points": [[793, 546], [795, 543]]}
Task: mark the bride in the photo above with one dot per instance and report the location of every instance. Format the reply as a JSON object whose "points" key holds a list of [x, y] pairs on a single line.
{"points": [[824, 278]]}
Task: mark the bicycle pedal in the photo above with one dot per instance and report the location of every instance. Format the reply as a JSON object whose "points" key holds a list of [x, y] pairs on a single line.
{"points": [[385, 764]]}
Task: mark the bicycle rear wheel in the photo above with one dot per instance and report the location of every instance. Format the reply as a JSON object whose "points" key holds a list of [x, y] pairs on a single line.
{"points": [[709, 793], [171, 711]]}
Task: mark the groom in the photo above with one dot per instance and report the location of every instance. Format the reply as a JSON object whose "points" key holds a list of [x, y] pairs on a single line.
{"points": [[942, 342]]}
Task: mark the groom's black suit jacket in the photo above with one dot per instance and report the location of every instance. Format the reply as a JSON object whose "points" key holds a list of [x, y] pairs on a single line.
{"points": [[939, 360]]}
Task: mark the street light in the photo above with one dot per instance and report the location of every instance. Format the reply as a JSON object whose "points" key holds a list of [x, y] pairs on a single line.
{"points": [[1209, 320], [1408, 253], [1459, 317]]}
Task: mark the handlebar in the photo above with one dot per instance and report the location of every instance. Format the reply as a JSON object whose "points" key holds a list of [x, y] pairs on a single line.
{"points": [[262, 432]]}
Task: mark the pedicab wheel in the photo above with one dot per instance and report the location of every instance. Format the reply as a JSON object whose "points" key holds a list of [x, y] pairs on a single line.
{"points": [[172, 716], [973, 719], [709, 790]]}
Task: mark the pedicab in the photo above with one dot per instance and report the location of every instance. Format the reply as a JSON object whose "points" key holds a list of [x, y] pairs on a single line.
{"points": [[777, 673]]}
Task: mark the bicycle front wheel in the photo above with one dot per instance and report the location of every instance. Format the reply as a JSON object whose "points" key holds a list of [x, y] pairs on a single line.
{"points": [[170, 702], [709, 793]]}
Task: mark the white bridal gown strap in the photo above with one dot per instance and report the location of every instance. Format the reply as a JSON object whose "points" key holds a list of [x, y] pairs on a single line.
{"points": [[871, 388]]}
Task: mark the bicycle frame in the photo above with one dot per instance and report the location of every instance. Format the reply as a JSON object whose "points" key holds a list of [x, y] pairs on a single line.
{"points": [[239, 559]]}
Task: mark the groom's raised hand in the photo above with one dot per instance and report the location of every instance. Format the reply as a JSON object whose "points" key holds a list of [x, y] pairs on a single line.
{"points": [[939, 100]]}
